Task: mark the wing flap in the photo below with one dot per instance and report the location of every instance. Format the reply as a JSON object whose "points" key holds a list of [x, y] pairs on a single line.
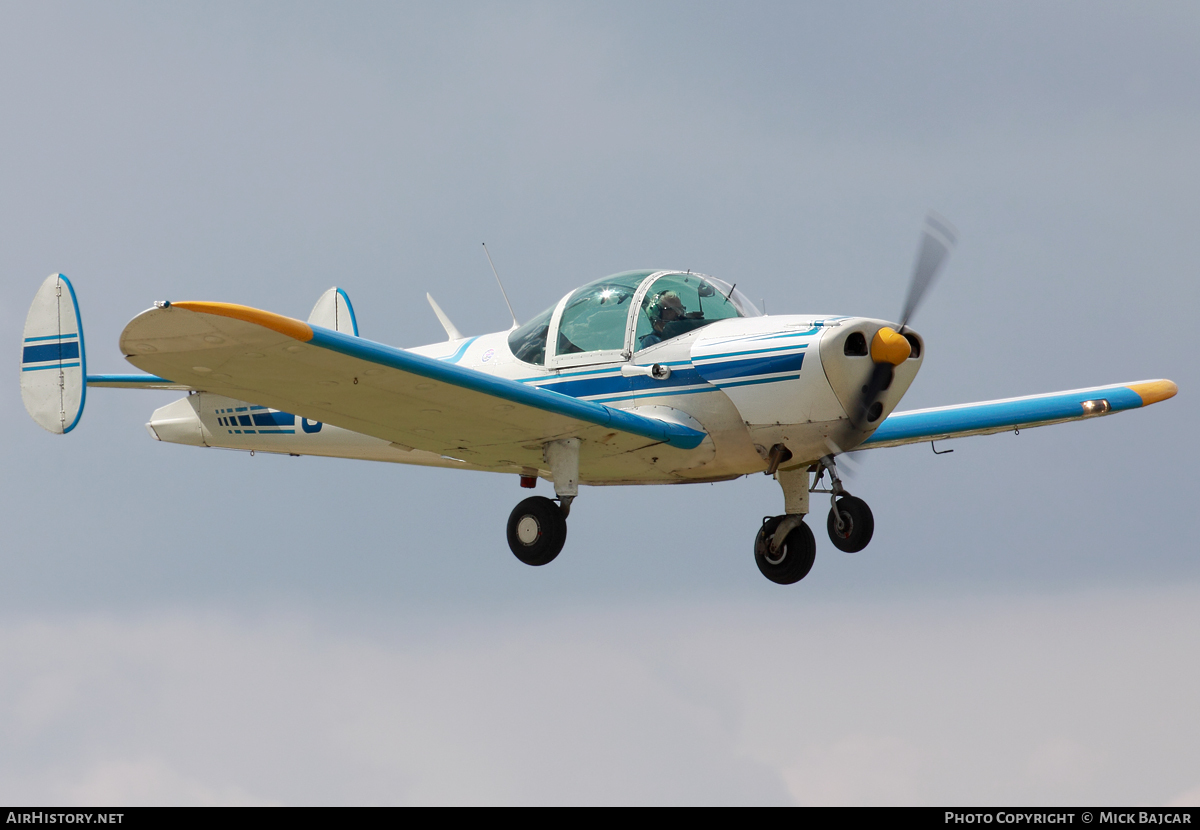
{"points": [[378, 390], [987, 417]]}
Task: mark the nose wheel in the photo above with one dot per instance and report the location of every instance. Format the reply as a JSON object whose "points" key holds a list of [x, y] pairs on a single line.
{"points": [[850, 524], [537, 530]]}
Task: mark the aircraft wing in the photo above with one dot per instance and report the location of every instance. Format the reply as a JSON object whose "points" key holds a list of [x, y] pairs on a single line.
{"points": [[411, 400], [986, 417]]}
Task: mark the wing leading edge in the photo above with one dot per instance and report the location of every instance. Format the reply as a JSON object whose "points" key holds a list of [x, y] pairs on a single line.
{"points": [[986, 417]]}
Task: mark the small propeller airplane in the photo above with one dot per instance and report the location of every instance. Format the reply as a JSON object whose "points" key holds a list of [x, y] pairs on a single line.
{"points": [[642, 377]]}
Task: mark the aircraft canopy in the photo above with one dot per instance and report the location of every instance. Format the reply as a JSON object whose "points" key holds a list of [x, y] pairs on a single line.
{"points": [[613, 317]]}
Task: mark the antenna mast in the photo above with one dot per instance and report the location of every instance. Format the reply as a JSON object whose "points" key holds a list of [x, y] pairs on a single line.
{"points": [[502, 291]]}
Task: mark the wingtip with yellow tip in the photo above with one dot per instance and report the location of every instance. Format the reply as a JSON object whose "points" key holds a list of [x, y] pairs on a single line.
{"points": [[267, 319], [1153, 391]]}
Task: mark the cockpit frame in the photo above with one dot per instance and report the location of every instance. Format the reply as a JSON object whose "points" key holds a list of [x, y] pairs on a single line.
{"points": [[559, 361]]}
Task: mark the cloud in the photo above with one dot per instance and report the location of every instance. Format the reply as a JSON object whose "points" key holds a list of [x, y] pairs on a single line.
{"points": [[151, 782], [1060, 762], [1049, 700], [857, 769], [1191, 798]]}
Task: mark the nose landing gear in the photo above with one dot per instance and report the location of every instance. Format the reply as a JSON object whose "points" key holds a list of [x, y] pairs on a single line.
{"points": [[850, 523], [784, 548]]}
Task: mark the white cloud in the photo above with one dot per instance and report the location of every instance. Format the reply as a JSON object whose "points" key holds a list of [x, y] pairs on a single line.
{"points": [[1061, 762], [1191, 798], [1055, 699], [858, 769], [151, 782]]}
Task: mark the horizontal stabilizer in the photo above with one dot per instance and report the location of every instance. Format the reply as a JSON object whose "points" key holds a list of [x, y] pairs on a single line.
{"points": [[988, 417], [135, 382], [334, 311], [53, 363]]}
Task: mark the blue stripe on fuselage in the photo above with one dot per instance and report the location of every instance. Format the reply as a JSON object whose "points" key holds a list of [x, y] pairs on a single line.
{"points": [[749, 367], [705, 358], [616, 384], [685, 379], [457, 356], [273, 419]]}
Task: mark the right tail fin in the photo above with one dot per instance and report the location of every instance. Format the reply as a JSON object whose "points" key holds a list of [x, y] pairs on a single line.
{"points": [[334, 311]]}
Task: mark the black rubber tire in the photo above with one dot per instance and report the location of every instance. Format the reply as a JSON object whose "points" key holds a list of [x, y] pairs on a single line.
{"points": [[549, 525], [799, 552], [858, 525]]}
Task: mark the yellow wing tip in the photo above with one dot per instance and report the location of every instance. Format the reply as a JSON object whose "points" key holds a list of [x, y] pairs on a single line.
{"points": [[267, 319], [1153, 391]]}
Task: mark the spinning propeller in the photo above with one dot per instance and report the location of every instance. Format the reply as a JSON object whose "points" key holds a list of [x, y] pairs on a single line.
{"points": [[889, 347]]}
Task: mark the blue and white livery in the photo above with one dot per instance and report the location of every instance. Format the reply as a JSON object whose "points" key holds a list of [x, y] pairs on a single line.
{"points": [[642, 377]]}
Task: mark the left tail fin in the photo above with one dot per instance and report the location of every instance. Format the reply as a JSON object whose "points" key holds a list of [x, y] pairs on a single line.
{"points": [[53, 362]]}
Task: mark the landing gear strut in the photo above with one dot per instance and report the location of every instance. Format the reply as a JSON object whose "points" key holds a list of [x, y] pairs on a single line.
{"points": [[537, 527], [850, 523], [784, 548]]}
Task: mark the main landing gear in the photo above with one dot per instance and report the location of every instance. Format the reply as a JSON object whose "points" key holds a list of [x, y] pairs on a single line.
{"points": [[784, 548], [537, 530], [537, 527]]}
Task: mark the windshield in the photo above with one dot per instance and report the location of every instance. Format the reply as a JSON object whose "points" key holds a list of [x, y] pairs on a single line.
{"points": [[528, 343], [596, 316]]}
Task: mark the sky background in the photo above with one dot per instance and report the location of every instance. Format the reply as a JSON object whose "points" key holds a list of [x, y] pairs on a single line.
{"points": [[199, 626]]}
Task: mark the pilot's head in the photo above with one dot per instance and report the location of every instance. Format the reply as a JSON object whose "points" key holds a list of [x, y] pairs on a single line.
{"points": [[665, 307]]}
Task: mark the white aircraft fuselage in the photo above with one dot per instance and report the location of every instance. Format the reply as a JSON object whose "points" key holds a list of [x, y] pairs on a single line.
{"points": [[750, 383]]}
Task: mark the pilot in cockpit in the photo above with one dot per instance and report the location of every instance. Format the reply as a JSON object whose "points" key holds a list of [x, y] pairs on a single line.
{"points": [[669, 318]]}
